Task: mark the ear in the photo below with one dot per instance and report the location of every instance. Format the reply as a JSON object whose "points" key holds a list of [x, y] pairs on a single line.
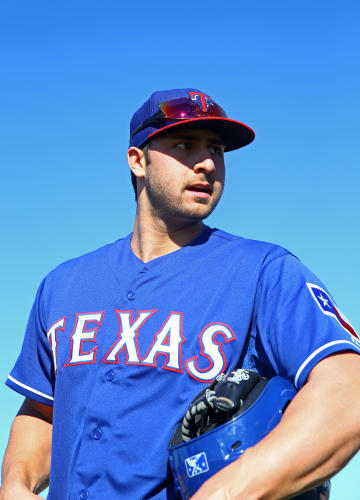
{"points": [[136, 161]]}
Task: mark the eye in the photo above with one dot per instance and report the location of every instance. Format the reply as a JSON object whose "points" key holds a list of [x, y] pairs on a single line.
{"points": [[215, 150], [183, 145]]}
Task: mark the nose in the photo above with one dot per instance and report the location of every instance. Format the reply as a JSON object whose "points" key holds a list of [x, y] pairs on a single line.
{"points": [[205, 164]]}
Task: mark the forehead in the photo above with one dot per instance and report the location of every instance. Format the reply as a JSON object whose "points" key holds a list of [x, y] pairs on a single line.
{"points": [[190, 133]]}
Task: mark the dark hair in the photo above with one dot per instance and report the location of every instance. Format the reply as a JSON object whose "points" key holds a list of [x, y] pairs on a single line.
{"points": [[145, 149]]}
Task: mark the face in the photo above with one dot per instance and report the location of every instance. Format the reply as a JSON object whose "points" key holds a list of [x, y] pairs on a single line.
{"points": [[185, 177]]}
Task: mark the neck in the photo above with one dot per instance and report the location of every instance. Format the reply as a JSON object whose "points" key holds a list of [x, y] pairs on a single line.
{"points": [[153, 237]]}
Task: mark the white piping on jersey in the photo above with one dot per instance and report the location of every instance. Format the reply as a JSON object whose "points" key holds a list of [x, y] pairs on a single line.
{"points": [[325, 346], [30, 388]]}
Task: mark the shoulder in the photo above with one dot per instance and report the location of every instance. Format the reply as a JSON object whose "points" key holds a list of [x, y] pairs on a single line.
{"points": [[90, 264], [249, 248]]}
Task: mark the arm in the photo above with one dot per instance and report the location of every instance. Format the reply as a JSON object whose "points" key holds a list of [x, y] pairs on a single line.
{"points": [[26, 465], [317, 436]]}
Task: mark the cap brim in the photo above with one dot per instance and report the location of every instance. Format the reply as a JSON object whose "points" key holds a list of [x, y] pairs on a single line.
{"points": [[235, 134]]}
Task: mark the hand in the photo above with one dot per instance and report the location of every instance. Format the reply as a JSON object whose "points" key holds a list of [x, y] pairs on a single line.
{"points": [[224, 486]]}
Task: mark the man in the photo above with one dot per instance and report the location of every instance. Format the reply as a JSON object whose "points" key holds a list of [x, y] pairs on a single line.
{"points": [[120, 340]]}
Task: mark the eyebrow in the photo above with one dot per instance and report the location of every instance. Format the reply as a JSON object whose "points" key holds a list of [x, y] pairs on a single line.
{"points": [[211, 140]]}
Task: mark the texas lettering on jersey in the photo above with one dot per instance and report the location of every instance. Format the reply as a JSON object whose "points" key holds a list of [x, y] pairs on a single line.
{"points": [[165, 350]]}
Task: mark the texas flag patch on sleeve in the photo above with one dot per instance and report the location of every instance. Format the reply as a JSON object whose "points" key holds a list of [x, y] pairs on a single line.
{"points": [[327, 306]]}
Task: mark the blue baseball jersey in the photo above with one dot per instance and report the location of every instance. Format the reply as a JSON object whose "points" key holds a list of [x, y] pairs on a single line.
{"points": [[120, 347]]}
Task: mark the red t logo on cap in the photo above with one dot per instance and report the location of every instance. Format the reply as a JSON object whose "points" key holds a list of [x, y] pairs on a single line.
{"points": [[202, 100]]}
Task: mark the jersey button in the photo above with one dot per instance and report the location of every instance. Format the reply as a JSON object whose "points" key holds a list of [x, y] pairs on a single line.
{"points": [[84, 494], [131, 295], [110, 376], [97, 433]]}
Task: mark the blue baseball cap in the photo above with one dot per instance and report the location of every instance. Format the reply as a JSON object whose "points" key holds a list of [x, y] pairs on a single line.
{"points": [[166, 109]]}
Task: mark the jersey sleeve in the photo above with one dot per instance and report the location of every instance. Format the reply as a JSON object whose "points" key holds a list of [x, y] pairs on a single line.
{"points": [[33, 373], [296, 321]]}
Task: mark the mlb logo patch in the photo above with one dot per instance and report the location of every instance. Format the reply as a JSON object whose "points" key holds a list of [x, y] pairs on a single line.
{"points": [[197, 464], [327, 307]]}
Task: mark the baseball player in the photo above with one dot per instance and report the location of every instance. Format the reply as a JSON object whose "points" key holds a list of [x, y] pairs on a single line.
{"points": [[120, 340]]}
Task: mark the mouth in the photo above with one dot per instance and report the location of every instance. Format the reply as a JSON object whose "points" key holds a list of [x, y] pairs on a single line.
{"points": [[200, 189]]}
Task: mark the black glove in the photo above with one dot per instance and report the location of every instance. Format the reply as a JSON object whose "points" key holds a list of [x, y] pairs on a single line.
{"points": [[225, 398]]}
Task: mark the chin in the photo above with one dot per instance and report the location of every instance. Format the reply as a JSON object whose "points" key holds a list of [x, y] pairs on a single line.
{"points": [[199, 212]]}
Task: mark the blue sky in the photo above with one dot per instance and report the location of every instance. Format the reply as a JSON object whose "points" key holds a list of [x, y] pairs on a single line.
{"points": [[72, 74]]}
